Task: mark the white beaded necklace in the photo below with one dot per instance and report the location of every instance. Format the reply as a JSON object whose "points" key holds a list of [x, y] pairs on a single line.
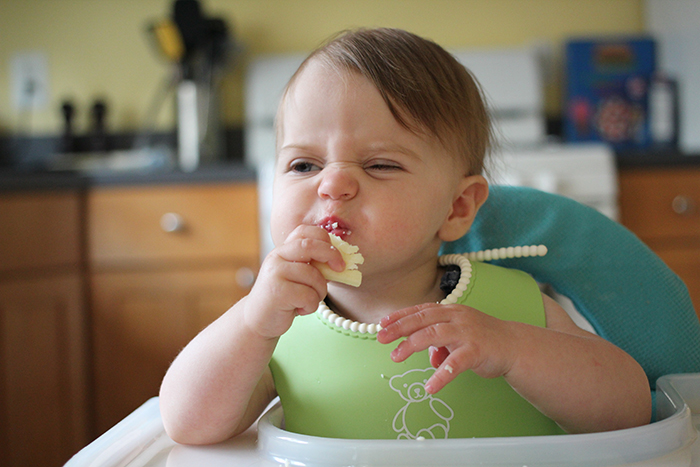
{"points": [[461, 260]]}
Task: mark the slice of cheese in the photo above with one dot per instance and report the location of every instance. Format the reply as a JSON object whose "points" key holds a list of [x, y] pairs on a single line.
{"points": [[350, 253]]}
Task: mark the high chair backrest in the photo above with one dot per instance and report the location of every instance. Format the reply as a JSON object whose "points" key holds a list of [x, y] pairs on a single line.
{"points": [[625, 291]]}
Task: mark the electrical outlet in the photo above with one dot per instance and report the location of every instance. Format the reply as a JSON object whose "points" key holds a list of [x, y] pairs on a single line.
{"points": [[30, 80]]}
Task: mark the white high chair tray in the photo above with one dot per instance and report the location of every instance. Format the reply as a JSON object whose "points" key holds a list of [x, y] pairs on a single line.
{"points": [[139, 440]]}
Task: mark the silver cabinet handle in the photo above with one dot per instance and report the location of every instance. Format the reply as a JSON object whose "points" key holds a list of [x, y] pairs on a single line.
{"points": [[172, 222], [683, 205]]}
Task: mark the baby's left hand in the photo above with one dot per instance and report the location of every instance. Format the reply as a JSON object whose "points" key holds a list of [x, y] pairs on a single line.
{"points": [[460, 338]]}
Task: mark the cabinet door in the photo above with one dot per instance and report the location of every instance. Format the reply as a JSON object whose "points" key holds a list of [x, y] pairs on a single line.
{"points": [[43, 416], [662, 206], [141, 320], [39, 230]]}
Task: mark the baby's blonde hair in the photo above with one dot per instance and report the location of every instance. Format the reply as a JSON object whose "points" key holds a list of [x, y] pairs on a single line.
{"points": [[426, 89]]}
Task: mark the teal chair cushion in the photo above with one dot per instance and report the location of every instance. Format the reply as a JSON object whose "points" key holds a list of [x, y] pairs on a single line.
{"points": [[617, 283]]}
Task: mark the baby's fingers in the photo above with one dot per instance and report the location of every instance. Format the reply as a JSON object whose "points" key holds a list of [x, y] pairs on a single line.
{"points": [[400, 314], [405, 322], [437, 355], [310, 243], [444, 374], [308, 250], [417, 342], [280, 268]]}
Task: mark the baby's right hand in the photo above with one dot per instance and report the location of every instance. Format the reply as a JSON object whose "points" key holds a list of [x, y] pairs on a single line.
{"points": [[288, 285]]}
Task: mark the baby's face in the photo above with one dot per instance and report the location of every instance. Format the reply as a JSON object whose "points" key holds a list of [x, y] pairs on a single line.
{"points": [[346, 164]]}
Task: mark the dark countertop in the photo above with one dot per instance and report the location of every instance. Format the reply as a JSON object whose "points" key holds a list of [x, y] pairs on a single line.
{"points": [[650, 159], [12, 180]]}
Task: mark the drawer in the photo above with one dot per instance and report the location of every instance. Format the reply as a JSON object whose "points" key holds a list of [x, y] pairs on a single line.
{"points": [[39, 230], [141, 225], [661, 202]]}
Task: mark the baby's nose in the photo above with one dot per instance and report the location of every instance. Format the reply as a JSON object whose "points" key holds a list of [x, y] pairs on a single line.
{"points": [[339, 182]]}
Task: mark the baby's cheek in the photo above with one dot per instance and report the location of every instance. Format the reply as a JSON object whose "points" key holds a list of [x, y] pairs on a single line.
{"points": [[282, 223]]}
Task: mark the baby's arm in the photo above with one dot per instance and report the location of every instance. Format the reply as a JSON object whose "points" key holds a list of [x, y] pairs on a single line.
{"points": [[220, 382], [576, 378]]}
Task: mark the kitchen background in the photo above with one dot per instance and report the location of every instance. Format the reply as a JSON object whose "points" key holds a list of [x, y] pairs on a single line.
{"points": [[105, 275], [102, 50]]}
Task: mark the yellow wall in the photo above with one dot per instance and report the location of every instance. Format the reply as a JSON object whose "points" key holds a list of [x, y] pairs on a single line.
{"points": [[99, 48]]}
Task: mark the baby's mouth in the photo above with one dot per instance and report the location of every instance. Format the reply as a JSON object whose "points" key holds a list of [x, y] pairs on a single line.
{"points": [[335, 226]]}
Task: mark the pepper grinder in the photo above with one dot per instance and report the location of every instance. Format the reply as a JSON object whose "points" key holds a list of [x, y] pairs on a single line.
{"points": [[98, 139], [67, 142]]}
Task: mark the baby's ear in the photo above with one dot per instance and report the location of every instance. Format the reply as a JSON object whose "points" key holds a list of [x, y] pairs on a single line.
{"points": [[470, 195]]}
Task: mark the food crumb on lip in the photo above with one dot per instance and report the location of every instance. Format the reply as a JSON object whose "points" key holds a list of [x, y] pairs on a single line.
{"points": [[335, 227]]}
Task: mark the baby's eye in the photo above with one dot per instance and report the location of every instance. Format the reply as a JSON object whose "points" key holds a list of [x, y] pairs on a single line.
{"points": [[303, 167], [383, 166]]}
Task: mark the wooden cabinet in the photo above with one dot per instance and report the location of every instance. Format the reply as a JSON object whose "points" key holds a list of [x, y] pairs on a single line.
{"points": [[165, 261], [43, 371], [99, 290], [662, 206]]}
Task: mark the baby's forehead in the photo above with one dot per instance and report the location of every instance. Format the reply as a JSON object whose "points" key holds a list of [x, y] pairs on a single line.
{"points": [[327, 74], [346, 79], [342, 80], [318, 82]]}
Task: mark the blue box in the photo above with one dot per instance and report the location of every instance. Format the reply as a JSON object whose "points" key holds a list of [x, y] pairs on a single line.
{"points": [[607, 90]]}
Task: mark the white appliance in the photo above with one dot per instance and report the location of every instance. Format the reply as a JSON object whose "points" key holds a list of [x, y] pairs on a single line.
{"points": [[265, 81], [674, 24], [511, 79]]}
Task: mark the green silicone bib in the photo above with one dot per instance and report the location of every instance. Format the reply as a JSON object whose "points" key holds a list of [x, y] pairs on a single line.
{"points": [[340, 383]]}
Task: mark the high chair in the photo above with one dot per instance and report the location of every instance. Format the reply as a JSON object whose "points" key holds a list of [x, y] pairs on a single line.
{"points": [[624, 290], [626, 293]]}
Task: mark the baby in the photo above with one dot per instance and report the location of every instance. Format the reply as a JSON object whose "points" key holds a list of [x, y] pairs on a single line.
{"points": [[381, 140]]}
